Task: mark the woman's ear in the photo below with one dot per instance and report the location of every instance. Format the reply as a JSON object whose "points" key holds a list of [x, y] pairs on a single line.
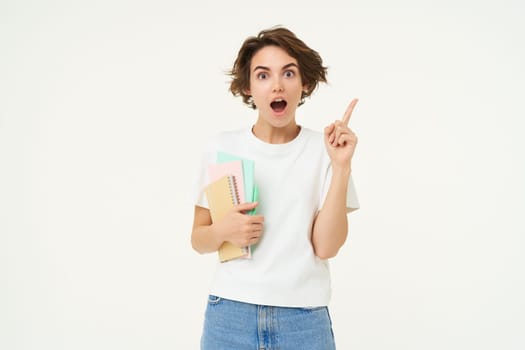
{"points": [[305, 89]]}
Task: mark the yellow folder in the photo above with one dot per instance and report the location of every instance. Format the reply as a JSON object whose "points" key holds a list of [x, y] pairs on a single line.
{"points": [[222, 196]]}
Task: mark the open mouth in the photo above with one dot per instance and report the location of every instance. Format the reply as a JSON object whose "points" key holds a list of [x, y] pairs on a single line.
{"points": [[278, 105]]}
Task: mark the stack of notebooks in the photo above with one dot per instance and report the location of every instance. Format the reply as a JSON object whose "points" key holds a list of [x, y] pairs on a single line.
{"points": [[231, 183]]}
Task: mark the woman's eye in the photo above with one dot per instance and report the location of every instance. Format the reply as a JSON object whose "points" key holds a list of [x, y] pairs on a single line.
{"points": [[262, 76], [289, 73]]}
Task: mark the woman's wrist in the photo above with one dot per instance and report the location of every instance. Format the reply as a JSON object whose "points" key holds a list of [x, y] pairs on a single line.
{"points": [[342, 171]]}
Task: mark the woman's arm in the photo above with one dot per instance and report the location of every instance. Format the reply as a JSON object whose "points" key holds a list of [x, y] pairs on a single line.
{"points": [[330, 227], [203, 240]]}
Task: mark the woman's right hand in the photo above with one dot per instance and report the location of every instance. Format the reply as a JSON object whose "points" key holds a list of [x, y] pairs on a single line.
{"points": [[239, 228]]}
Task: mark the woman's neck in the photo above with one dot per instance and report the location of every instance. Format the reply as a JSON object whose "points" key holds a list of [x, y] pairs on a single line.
{"points": [[275, 135]]}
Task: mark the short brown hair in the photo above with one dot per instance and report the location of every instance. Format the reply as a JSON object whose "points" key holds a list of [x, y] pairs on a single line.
{"points": [[310, 63]]}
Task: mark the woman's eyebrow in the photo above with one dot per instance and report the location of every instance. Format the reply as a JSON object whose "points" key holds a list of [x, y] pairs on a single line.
{"points": [[290, 65], [284, 67], [261, 67]]}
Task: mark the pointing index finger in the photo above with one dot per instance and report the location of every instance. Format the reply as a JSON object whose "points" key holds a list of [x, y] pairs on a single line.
{"points": [[349, 110]]}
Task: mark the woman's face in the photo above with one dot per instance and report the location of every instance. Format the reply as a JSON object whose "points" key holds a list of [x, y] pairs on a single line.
{"points": [[275, 85]]}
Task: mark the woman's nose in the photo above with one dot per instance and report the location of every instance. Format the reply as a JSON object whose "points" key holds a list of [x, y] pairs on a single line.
{"points": [[277, 86]]}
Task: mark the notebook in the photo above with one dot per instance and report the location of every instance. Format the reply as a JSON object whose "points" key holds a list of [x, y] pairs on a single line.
{"points": [[248, 167], [222, 196], [251, 191], [218, 170]]}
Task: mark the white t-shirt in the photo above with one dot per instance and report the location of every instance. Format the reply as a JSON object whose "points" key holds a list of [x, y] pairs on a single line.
{"points": [[293, 180]]}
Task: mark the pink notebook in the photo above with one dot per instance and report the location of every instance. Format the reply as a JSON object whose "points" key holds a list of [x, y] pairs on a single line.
{"points": [[216, 171]]}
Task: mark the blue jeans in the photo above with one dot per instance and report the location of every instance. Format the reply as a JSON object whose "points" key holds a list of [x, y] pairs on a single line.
{"points": [[233, 325]]}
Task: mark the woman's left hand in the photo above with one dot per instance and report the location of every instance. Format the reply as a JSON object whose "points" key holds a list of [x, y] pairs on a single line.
{"points": [[340, 140]]}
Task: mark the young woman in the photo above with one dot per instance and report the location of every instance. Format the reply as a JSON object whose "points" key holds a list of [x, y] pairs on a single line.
{"points": [[278, 299]]}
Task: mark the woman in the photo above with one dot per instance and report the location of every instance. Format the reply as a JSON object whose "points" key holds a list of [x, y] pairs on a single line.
{"points": [[278, 298]]}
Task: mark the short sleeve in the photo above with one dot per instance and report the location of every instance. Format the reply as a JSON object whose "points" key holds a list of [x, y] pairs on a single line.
{"points": [[352, 202], [202, 179]]}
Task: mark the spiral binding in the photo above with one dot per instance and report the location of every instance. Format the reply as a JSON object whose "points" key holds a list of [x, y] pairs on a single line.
{"points": [[233, 189]]}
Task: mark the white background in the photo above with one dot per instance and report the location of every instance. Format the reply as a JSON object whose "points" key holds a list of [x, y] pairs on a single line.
{"points": [[105, 105]]}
